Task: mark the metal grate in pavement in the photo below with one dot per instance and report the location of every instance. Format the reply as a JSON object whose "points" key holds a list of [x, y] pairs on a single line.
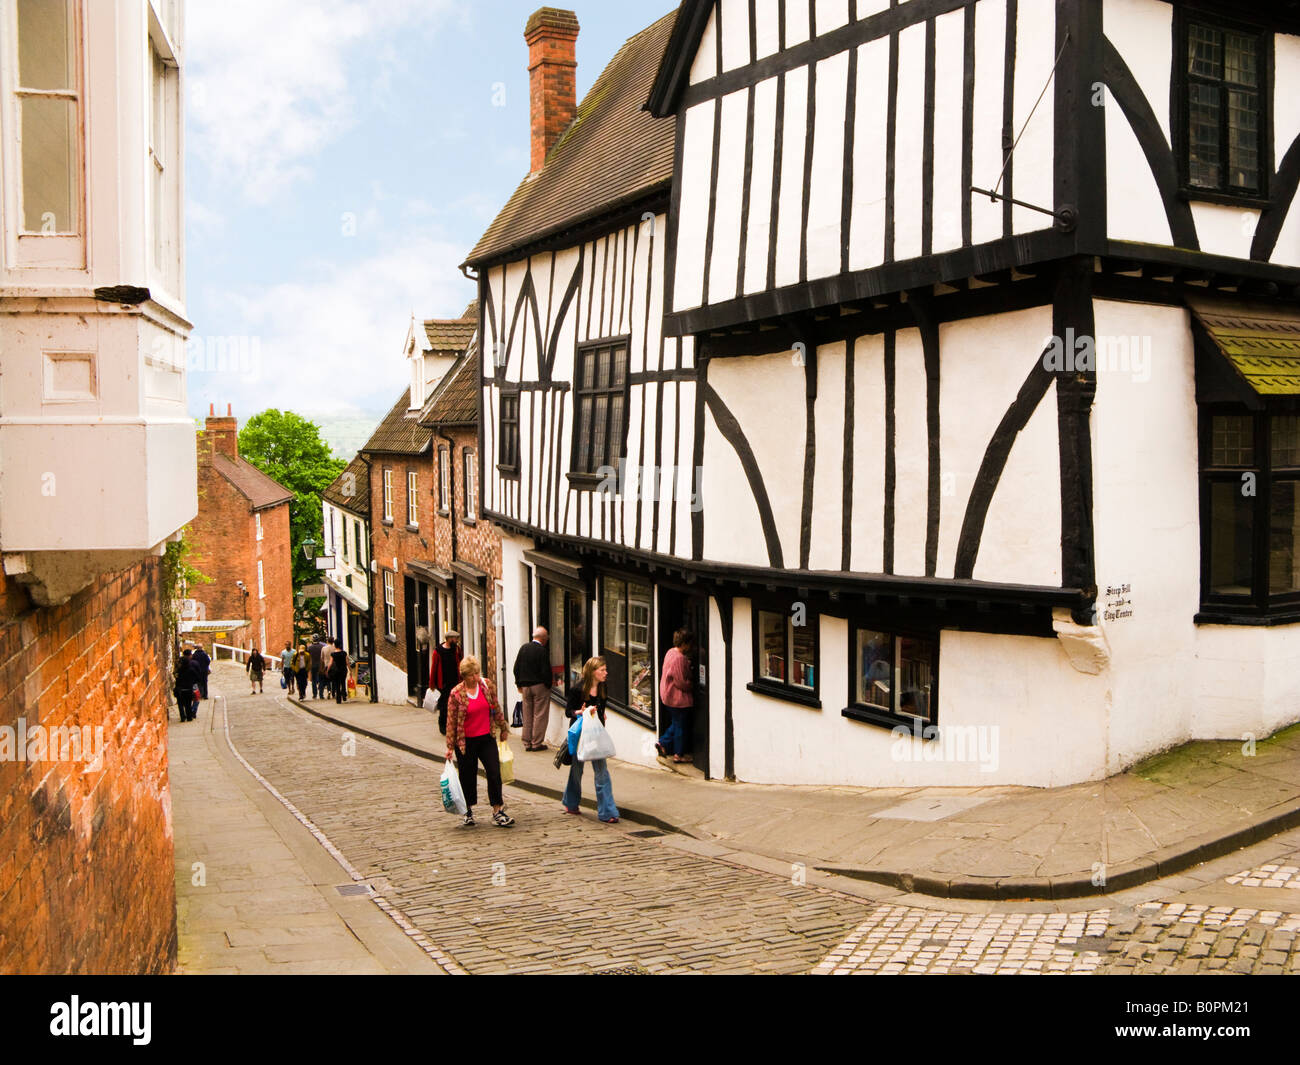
{"points": [[647, 833], [354, 889], [624, 970]]}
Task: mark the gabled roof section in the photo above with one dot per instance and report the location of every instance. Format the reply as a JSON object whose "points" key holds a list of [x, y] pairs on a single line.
{"points": [[1260, 342], [452, 334], [399, 433], [612, 154], [455, 400], [350, 490], [675, 68], [255, 486]]}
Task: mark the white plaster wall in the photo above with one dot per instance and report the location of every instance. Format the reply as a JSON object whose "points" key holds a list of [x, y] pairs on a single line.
{"points": [[868, 456], [870, 113], [911, 455], [831, 15], [1134, 208], [390, 682], [759, 224], [909, 142], [730, 194], [705, 63], [796, 22], [1286, 128], [825, 197], [735, 33], [1021, 691], [1224, 230], [1032, 167], [986, 137], [1142, 32], [789, 223], [693, 209], [949, 195], [767, 35], [828, 473]]}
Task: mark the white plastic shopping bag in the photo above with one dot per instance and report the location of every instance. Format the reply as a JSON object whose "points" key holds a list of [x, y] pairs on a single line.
{"points": [[507, 759], [431, 700], [595, 741], [453, 798]]}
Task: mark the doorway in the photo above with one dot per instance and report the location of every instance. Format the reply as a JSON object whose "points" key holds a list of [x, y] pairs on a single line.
{"points": [[679, 609]]}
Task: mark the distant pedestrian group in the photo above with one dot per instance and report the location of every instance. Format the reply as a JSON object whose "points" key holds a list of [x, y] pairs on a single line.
{"points": [[191, 683]]}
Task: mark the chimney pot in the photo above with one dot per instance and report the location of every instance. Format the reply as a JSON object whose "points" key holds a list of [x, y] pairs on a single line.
{"points": [[551, 34]]}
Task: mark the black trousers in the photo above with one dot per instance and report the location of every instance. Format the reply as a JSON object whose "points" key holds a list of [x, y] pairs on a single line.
{"points": [[185, 704], [339, 684], [476, 748]]}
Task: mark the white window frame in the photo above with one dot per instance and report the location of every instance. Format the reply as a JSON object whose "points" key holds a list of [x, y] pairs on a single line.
{"points": [[413, 499], [390, 604], [388, 494], [444, 480], [261, 583], [360, 552], [261, 629], [257, 521], [471, 484], [472, 623]]}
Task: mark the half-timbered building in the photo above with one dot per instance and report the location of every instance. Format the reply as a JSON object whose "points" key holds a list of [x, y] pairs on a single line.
{"points": [[949, 372]]}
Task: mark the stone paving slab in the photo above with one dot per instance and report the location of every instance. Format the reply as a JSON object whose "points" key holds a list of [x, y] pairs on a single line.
{"points": [[1161, 817]]}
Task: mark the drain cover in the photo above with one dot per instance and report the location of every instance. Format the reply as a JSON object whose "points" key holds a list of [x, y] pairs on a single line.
{"points": [[353, 889], [647, 833], [624, 970]]}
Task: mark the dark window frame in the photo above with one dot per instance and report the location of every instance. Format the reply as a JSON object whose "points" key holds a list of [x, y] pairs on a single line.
{"points": [[1180, 109], [794, 693], [583, 467], [548, 586], [623, 706], [508, 445], [871, 714], [1260, 606]]}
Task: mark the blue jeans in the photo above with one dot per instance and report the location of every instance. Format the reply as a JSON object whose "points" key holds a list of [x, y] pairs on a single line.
{"points": [[674, 737], [605, 808]]}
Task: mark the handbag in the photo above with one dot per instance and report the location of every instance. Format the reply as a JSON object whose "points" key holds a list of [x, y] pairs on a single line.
{"points": [[562, 756], [506, 758], [517, 721], [284, 680]]}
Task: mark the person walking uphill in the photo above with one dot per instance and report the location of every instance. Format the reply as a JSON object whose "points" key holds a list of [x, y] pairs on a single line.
{"points": [[317, 670], [301, 667], [186, 679], [588, 697], [472, 711], [677, 695], [339, 673], [444, 668], [202, 667], [533, 679]]}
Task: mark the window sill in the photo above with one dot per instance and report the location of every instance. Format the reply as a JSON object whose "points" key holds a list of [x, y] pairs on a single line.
{"points": [[1228, 616], [390, 639], [386, 521], [1231, 199], [789, 695], [886, 720], [510, 472], [585, 482], [646, 721], [443, 512], [412, 528]]}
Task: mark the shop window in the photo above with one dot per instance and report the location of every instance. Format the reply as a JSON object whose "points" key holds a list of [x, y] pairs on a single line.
{"points": [[564, 613], [626, 645], [785, 651], [1250, 516], [894, 676]]}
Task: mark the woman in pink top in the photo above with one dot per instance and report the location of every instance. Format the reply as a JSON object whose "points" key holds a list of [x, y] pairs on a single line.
{"points": [[472, 710], [677, 695]]}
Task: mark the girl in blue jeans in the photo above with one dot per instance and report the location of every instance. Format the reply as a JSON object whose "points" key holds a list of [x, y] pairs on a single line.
{"points": [[587, 695]]}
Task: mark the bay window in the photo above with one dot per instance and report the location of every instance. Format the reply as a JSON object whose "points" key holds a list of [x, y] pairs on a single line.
{"points": [[49, 120]]}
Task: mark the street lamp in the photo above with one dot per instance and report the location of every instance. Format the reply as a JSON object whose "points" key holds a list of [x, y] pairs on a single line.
{"points": [[240, 586], [309, 549]]}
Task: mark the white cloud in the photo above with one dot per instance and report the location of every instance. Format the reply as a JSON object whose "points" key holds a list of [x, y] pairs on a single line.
{"points": [[269, 83], [332, 343]]}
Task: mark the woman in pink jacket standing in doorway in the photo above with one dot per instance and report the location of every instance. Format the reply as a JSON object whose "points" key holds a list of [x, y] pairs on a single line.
{"points": [[677, 695]]}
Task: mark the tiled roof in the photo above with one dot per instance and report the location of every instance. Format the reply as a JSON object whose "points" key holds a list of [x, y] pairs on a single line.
{"points": [[455, 400], [452, 334], [259, 489], [399, 433], [1261, 341], [351, 488], [612, 154]]}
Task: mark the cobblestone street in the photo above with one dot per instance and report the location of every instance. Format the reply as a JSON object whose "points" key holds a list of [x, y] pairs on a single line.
{"points": [[559, 894]]}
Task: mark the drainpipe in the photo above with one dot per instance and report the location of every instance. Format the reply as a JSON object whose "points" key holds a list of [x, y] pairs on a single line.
{"points": [[370, 594]]}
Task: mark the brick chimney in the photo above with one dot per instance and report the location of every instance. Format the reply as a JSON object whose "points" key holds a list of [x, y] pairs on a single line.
{"points": [[222, 434], [551, 34]]}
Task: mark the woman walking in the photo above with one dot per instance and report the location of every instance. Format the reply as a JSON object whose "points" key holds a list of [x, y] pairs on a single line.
{"points": [[301, 667], [677, 696], [472, 711], [339, 673], [255, 668], [588, 697], [186, 679]]}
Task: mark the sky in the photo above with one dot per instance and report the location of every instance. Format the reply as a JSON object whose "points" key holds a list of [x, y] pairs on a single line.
{"points": [[342, 158]]}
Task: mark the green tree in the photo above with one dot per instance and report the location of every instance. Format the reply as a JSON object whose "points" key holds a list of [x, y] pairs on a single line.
{"points": [[289, 448]]}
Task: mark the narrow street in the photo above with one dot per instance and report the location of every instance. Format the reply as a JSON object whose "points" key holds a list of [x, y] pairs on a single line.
{"points": [[560, 894]]}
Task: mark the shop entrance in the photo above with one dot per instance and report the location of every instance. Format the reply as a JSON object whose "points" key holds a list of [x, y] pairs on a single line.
{"points": [[688, 610]]}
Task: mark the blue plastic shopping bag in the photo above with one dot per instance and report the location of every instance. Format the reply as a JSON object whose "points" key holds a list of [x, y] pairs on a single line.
{"points": [[575, 730]]}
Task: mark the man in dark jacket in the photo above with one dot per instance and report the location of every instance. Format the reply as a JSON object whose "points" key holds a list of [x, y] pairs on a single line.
{"points": [[317, 671], [444, 672], [202, 667], [184, 688], [533, 679]]}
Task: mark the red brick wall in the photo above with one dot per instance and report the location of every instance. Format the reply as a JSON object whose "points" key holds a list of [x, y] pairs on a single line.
{"points": [[552, 67], [86, 859], [478, 543], [224, 546]]}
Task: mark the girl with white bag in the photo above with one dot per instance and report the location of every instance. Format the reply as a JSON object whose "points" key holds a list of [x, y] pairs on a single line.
{"points": [[587, 702]]}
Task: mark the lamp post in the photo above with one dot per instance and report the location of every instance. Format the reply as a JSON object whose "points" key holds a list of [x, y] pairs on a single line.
{"points": [[309, 549]]}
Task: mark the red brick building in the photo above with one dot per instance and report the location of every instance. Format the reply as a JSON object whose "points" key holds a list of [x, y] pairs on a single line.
{"points": [[466, 546], [241, 540]]}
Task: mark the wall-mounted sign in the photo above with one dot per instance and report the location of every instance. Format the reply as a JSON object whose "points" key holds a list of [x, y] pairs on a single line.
{"points": [[313, 591]]}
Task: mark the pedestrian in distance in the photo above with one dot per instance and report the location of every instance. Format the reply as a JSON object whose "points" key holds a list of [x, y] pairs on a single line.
{"points": [[286, 666], [255, 668], [317, 674], [444, 669], [339, 674], [533, 679], [202, 667], [472, 711], [677, 696], [326, 665], [588, 697], [301, 666], [186, 680]]}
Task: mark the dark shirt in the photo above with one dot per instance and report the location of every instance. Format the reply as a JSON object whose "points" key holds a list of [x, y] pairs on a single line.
{"points": [[449, 658], [201, 662], [532, 665], [314, 649], [339, 663], [186, 677], [256, 663], [575, 700]]}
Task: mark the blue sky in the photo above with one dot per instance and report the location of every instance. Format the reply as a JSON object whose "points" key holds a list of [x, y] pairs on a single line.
{"points": [[342, 158]]}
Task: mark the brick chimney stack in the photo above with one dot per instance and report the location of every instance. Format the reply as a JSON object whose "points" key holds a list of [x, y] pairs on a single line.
{"points": [[551, 34], [222, 434]]}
